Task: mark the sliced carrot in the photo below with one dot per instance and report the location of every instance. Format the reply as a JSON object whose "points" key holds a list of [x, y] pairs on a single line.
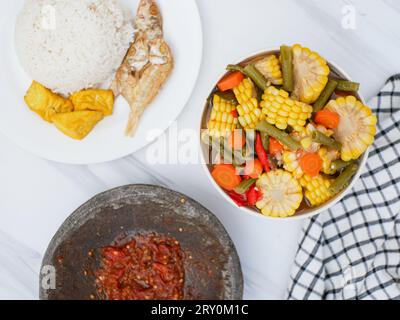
{"points": [[275, 147], [311, 164], [253, 168], [237, 140], [225, 176], [230, 81], [327, 118]]}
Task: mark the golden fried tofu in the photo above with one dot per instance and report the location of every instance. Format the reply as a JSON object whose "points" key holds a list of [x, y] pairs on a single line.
{"points": [[94, 100], [77, 124], [46, 103]]}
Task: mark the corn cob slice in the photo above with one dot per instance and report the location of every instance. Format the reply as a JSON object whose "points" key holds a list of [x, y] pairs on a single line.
{"points": [[357, 127], [282, 111], [270, 67], [310, 74], [328, 156], [222, 120], [282, 194], [316, 189], [248, 109]]}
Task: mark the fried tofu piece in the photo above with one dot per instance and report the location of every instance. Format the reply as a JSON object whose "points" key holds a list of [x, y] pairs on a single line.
{"points": [[78, 124], [46, 103], [94, 100]]}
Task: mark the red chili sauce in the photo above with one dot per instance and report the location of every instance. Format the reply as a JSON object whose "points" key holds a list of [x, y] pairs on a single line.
{"points": [[149, 267]]}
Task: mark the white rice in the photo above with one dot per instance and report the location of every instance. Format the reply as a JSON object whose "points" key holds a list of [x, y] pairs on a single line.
{"points": [[70, 45]]}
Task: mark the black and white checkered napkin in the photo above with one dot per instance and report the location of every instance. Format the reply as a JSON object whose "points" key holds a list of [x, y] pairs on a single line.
{"points": [[352, 251]]}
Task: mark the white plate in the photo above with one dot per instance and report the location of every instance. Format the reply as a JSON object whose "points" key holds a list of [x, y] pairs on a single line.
{"points": [[107, 142]]}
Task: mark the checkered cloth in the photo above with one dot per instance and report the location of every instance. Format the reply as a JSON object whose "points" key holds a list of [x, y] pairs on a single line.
{"points": [[352, 251]]}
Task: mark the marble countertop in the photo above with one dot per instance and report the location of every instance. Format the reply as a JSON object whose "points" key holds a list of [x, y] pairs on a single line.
{"points": [[36, 196]]}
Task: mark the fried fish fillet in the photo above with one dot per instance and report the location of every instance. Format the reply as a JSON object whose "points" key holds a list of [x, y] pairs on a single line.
{"points": [[147, 65]]}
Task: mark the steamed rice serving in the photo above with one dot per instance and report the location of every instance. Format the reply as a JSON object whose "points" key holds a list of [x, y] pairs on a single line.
{"points": [[70, 45]]}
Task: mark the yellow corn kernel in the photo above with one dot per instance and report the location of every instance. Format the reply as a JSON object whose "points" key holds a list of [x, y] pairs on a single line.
{"points": [[271, 68], [282, 111], [320, 128], [316, 189], [291, 164], [310, 74], [249, 112], [222, 121], [306, 143], [328, 156]]}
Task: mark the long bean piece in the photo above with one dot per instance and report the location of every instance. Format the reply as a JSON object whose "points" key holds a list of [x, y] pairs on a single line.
{"points": [[319, 137], [227, 96], [257, 77], [245, 185], [325, 95], [279, 135], [287, 68], [235, 67], [344, 179], [251, 72], [265, 140], [348, 86], [338, 165]]}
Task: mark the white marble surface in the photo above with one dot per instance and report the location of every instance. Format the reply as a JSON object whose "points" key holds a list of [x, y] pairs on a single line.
{"points": [[36, 195]]}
